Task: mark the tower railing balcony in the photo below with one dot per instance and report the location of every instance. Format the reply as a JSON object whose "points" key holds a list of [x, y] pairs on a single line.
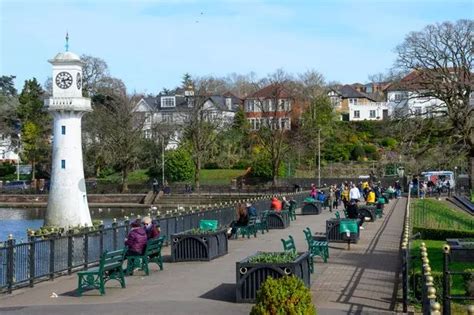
{"points": [[79, 104]]}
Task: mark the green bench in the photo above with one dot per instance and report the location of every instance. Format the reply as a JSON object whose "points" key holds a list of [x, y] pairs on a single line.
{"points": [[316, 248], [289, 244], [110, 268], [152, 254], [261, 222], [249, 229]]}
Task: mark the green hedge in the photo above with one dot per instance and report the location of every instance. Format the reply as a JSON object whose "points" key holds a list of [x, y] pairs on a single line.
{"points": [[441, 235]]}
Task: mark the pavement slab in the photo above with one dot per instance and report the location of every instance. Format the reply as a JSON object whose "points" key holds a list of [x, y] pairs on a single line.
{"points": [[360, 281]]}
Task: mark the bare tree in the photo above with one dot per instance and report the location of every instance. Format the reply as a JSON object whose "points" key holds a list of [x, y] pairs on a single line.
{"points": [[441, 58], [201, 125], [116, 130], [94, 72], [275, 105]]}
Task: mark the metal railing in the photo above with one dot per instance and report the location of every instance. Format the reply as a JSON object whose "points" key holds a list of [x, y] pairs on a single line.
{"points": [[27, 263]]}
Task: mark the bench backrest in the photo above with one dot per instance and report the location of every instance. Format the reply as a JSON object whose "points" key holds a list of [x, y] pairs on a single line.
{"points": [[208, 225], [112, 259], [154, 245], [289, 244], [308, 235]]}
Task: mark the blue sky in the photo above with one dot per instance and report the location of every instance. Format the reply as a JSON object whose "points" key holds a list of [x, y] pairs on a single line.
{"points": [[149, 44]]}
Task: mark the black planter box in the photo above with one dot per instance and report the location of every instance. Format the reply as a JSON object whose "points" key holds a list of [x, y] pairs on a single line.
{"points": [[333, 235], [191, 247], [277, 220], [250, 276], [311, 208], [367, 212]]}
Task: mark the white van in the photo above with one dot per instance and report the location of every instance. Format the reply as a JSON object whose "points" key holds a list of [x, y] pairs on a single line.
{"points": [[440, 178]]}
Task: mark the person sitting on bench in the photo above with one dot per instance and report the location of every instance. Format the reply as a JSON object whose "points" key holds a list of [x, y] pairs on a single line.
{"points": [[136, 239], [242, 219], [150, 228]]}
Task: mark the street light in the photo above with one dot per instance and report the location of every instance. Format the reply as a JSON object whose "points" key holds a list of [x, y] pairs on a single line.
{"points": [[319, 157], [454, 186], [162, 161]]}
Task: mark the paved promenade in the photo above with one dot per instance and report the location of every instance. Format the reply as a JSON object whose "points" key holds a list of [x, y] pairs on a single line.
{"points": [[359, 281]]}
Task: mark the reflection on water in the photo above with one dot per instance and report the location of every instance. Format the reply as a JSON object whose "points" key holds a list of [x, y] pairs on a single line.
{"points": [[16, 221]]}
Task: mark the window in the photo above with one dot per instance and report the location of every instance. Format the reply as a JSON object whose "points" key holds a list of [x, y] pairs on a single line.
{"points": [[167, 117], [147, 134], [398, 97], [168, 101], [258, 122], [417, 110], [63, 130], [250, 106], [356, 114], [285, 123], [147, 118], [228, 103], [63, 164], [353, 101], [372, 114]]}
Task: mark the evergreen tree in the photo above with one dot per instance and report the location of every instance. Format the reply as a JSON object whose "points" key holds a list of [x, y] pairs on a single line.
{"points": [[35, 125]]}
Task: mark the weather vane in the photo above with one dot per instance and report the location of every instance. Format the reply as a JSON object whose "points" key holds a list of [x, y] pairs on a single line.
{"points": [[67, 41]]}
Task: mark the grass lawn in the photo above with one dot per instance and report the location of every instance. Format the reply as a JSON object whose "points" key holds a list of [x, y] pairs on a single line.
{"points": [[208, 177], [431, 213], [219, 176]]}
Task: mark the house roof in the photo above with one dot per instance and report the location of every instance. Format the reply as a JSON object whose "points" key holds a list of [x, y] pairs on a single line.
{"points": [[182, 104], [271, 91], [347, 91]]}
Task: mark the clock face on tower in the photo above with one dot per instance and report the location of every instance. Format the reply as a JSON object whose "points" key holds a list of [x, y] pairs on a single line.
{"points": [[78, 81], [64, 80]]}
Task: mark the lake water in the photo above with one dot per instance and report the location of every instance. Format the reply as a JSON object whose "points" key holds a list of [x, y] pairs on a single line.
{"points": [[16, 221]]}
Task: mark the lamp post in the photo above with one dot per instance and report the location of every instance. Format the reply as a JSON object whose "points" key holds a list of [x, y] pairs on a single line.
{"points": [[162, 161], [319, 157], [454, 186]]}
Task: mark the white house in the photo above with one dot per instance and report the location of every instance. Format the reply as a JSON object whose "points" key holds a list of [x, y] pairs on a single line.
{"points": [[407, 98], [368, 111], [172, 110], [7, 151]]}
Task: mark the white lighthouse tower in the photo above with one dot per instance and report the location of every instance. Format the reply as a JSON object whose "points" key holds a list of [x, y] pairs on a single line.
{"points": [[67, 203]]}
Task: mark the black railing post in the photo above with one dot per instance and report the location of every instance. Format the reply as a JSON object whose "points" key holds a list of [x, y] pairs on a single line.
{"points": [[31, 256], [86, 246], [10, 262], [446, 278], [405, 277], [70, 250], [101, 237], [51, 257], [115, 234]]}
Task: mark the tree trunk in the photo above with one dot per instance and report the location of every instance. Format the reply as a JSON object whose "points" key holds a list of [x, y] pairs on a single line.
{"points": [[197, 173], [124, 187], [33, 170], [471, 171]]}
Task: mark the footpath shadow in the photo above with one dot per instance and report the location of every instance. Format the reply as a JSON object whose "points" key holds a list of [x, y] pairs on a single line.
{"points": [[224, 292]]}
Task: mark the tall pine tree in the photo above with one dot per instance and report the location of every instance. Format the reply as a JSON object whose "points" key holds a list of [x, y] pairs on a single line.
{"points": [[35, 125]]}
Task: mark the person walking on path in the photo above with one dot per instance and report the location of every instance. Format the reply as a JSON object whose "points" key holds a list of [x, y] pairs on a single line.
{"points": [[354, 194]]}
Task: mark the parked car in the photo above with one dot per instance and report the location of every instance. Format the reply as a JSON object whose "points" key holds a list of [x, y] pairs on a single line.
{"points": [[16, 185]]}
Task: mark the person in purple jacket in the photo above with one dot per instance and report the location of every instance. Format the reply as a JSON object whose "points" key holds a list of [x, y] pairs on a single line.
{"points": [[136, 239]]}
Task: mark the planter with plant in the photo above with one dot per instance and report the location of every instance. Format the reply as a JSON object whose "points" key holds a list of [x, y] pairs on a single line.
{"points": [[286, 295], [252, 271], [197, 244]]}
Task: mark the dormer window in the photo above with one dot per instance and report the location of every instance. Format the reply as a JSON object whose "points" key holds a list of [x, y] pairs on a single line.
{"points": [[168, 101]]}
